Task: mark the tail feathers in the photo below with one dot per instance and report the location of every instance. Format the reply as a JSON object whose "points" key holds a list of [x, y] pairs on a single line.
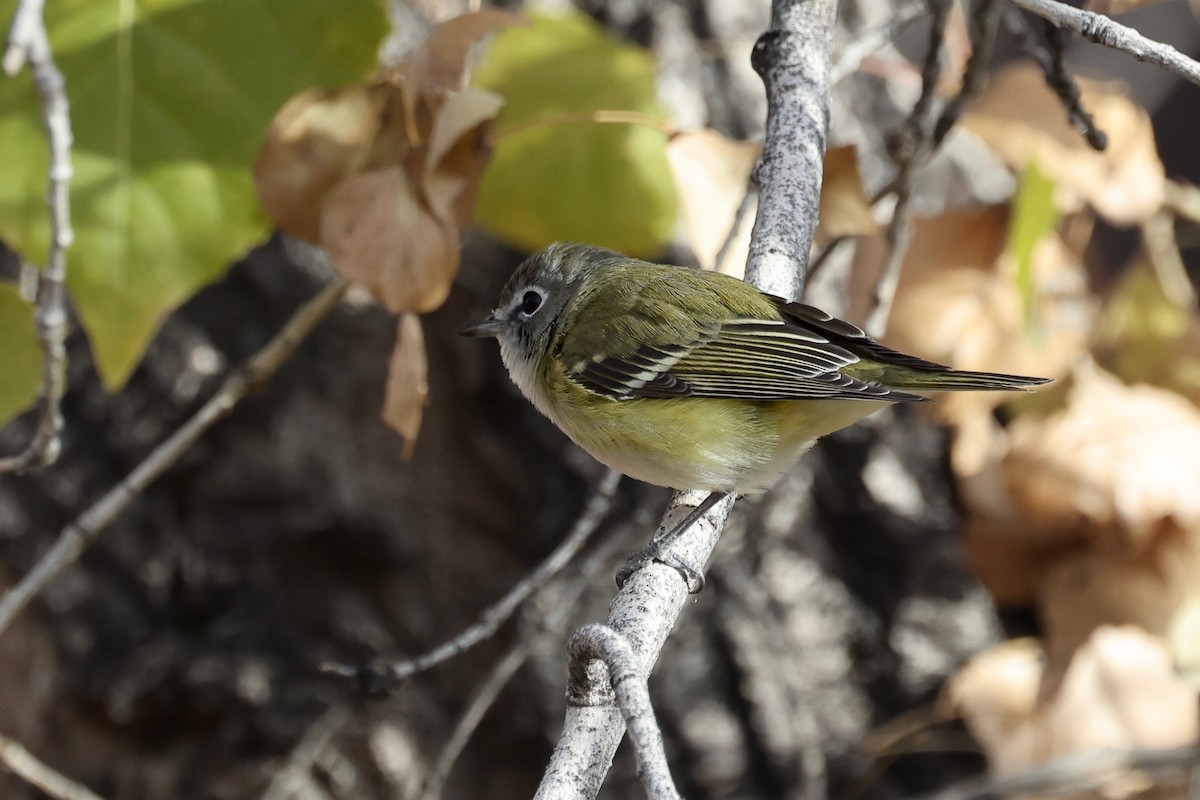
{"points": [[962, 381]]}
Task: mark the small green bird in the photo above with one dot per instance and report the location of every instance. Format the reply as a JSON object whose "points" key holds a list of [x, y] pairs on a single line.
{"points": [[692, 379]]}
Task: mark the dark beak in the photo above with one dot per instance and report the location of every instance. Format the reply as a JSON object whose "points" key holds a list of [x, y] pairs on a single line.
{"points": [[484, 327]]}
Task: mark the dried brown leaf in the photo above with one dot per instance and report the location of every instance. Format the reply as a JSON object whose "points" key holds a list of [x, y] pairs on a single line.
{"points": [[1118, 692], [1024, 122], [1119, 461], [317, 139], [845, 208], [440, 61], [379, 234], [407, 384], [457, 154], [712, 175]]}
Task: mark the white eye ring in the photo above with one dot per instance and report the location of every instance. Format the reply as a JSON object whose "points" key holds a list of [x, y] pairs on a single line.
{"points": [[531, 301]]}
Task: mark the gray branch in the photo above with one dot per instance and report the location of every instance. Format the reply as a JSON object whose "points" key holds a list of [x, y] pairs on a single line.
{"points": [[29, 45], [1102, 30], [793, 58]]}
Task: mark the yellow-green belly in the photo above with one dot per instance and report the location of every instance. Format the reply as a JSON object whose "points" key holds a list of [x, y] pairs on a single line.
{"points": [[700, 443]]}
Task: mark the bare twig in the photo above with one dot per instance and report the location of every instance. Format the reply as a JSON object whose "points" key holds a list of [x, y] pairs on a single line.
{"points": [[855, 52], [604, 667], [24, 764], [1102, 30], [793, 59], [739, 217], [1051, 57], [28, 44], [1077, 773], [75, 538], [386, 677], [297, 772], [1158, 234], [912, 148], [986, 20]]}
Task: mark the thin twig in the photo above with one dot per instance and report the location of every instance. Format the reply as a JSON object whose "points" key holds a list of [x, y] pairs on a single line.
{"points": [[28, 44], [1158, 235], [382, 678], [24, 764], [1051, 57], [556, 601], [75, 538], [297, 772], [1076, 773], [855, 52], [1100, 29], [739, 216], [986, 24], [912, 148]]}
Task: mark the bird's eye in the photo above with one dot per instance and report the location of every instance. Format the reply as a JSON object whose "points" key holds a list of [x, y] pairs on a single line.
{"points": [[530, 303]]}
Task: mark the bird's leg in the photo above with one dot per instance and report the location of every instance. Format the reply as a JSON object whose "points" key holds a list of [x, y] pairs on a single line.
{"points": [[659, 549]]}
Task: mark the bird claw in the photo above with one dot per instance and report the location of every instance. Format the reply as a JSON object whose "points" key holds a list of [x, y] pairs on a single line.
{"points": [[693, 577]]}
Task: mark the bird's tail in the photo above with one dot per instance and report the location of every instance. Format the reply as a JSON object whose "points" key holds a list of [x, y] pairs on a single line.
{"points": [[962, 381]]}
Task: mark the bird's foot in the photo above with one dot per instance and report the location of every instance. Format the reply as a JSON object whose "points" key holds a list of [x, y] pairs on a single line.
{"points": [[693, 577]]}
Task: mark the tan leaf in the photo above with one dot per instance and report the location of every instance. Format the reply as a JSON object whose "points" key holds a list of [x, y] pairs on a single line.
{"points": [[1120, 461], [317, 139], [407, 384], [379, 234], [711, 174], [1023, 121], [457, 154], [845, 208], [1116, 586], [440, 61], [1119, 692]]}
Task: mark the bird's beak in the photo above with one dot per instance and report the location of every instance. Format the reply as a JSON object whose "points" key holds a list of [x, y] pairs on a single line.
{"points": [[484, 327]]}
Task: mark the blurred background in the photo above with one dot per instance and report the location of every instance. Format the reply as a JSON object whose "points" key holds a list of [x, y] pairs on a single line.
{"points": [[961, 592]]}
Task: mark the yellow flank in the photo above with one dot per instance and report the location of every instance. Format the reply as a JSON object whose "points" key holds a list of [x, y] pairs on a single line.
{"points": [[695, 442]]}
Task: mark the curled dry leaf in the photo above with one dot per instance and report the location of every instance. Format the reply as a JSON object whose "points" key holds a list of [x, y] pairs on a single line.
{"points": [[1119, 461], [385, 176], [379, 234], [1090, 512], [1119, 692], [1020, 118], [407, 385], [318, 139]]}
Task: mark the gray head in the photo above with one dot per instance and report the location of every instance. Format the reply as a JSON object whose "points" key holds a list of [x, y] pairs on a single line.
{"points": [[534, 297]]}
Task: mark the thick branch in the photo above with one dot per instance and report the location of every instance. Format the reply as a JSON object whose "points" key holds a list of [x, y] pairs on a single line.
{"points": [[28, 44], [79, 534], [1102, 30], [793, 58]]}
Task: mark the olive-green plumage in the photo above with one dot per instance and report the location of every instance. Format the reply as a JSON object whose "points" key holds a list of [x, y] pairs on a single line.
{"points": [[691, 379]]}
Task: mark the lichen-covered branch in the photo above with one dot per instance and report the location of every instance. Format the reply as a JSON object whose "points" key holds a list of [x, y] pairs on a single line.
{"points": [[793, 58], [29, 45]]}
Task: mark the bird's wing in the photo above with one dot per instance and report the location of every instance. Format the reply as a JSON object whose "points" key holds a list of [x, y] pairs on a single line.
{"points": [[746, 359]]}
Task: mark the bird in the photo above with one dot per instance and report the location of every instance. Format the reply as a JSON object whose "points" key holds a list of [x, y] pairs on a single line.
{"points": [[693, 379]]}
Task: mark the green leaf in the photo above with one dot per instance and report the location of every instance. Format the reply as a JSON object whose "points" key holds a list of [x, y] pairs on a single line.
{"points": [[21, 375], [1034, 215], [557, 174], [169, 101]]}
